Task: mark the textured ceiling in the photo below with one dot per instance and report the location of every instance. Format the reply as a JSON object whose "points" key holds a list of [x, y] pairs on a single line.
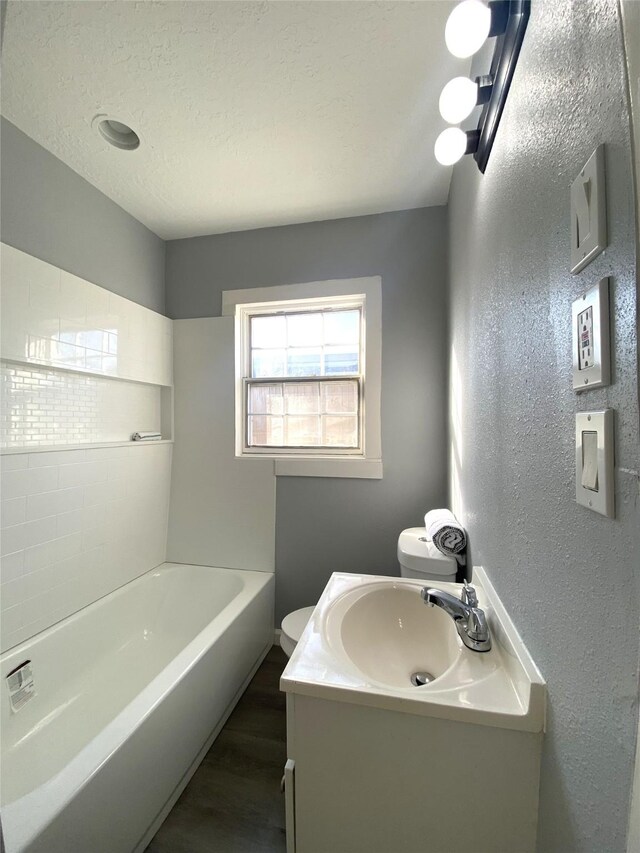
{"points": [[250, 113]]}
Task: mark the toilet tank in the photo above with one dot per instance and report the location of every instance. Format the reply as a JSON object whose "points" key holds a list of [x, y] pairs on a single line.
{"points": [[422, 560]]}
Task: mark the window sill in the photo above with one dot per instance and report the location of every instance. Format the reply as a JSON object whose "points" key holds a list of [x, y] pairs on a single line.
{"points": [[365, 469]]}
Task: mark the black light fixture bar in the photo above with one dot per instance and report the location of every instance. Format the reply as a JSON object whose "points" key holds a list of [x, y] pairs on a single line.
{"points": [[509, 20]]}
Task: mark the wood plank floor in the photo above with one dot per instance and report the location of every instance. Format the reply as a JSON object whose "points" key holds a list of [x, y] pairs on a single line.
{"points": [[233, 803]]}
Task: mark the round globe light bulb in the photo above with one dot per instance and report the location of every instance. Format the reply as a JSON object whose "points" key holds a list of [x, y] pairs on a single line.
{"points": [[450, 146], [458, 99], [467, 28]]}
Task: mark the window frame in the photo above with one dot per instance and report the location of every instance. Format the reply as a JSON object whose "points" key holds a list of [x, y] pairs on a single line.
{"points": [[362, 293]]}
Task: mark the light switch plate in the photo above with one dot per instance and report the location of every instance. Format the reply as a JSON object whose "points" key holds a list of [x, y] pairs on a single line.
{"points": [[588, 212], [590, 338], [594, 461]]}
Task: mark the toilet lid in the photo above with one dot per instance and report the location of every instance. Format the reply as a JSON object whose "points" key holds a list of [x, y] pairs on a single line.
{"points": [[294, 624]]}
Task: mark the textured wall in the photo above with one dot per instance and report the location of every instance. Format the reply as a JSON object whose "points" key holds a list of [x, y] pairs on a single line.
{"points": [[51, 212], [569, 577], [325, 525]]}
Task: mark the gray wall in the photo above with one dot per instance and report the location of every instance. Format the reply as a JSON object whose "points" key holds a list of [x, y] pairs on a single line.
{"points": [[569, 577], [326, 525], [49, 211]]}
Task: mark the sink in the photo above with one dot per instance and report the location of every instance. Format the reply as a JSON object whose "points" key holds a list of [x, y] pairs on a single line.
{"points": [[369, 635], [359, 727], [388, 633]]}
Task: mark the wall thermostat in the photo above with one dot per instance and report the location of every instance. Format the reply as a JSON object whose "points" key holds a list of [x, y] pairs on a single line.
{"points": [[591, 348], [594, 461], [588, 212]]}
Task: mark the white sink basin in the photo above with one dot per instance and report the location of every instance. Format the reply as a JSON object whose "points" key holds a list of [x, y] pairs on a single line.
{"points": [[388, 633], [368, 635]]}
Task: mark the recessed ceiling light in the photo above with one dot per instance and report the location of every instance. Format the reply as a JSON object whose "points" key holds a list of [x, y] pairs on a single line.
{"points": [[116, 133]]}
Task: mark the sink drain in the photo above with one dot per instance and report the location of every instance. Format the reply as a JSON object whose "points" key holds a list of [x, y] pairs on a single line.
{"points": [[419, 679]]}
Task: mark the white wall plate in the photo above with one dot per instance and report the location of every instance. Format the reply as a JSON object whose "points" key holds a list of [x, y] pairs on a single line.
{"points": [[590, 338], [588, 212], [594, 461]]}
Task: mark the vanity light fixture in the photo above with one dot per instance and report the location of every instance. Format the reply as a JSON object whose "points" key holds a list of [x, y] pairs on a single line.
{"points": [[461, 96], [453, 143], [469, 25]]}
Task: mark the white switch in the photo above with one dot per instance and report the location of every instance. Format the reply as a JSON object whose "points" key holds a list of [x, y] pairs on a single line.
{"points": [[588, 212], [594, 461], [590, 460]]}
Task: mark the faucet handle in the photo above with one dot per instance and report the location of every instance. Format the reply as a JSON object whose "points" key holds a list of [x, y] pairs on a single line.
{"points": [[469, 595], [477, 627]]}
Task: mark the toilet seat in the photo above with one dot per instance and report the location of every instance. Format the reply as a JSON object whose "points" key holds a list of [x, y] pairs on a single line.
{"points": [[292, 627]]}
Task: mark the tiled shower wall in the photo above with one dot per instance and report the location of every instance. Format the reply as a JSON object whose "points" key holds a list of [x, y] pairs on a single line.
{"points": [[41, 406], [77, 524]]}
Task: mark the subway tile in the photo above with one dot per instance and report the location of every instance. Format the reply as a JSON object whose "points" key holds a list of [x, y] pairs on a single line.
{"points": [[44, 294], [14, 461], [40, 531], [12, 593], [54, 503], [56, 457], [11, 566], [13, 484], [72, 475], [68, 546], [12, 539], [13, 511], [70, 522], [71, 552], [94, 536], [38, 556], [12, 619], [41, 479], [73, 298]]}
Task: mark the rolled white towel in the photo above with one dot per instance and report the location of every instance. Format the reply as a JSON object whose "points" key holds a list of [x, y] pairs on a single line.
{"points": [[445, 531]]}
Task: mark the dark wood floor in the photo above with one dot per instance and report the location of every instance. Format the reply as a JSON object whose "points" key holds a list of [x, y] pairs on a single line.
{"points": [[233, 802]]}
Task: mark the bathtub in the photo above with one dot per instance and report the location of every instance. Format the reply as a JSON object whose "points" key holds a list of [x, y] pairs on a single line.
{"points": [[130, 692]]}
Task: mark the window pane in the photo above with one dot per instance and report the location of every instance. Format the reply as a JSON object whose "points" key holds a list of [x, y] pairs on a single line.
{"points": [[341, 360], [340, 398], [302, 399], [321, 413], [342, 327], [340, 431], [304, 330], [303, 362], [266, 400], [303, 431], [266, 431], [267, 362], [268, 332]]}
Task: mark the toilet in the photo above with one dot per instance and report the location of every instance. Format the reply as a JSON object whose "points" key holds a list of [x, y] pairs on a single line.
{"points": [[419, 560]]}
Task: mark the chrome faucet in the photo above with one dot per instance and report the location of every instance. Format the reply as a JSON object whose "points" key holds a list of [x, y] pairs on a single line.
{"points": [[470, 620]]}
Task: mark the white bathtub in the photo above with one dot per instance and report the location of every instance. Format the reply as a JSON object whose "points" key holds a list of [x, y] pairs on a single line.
{"points": [[130, 693]]}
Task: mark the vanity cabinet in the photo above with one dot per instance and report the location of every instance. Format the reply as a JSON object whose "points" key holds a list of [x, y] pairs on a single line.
{"points": [[369, 780]]}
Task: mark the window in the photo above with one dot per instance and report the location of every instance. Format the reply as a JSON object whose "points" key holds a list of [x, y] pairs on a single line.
{"points": [[308, 376]]}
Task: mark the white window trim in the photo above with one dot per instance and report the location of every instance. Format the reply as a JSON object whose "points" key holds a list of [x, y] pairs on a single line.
{"points": [[236, 303]]}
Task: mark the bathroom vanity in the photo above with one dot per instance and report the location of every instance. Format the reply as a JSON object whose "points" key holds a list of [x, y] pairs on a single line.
{"points": [[376, 764]]}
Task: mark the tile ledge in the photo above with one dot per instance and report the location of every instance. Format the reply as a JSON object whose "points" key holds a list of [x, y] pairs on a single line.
{"points": [[26, 363], [51, 448]]}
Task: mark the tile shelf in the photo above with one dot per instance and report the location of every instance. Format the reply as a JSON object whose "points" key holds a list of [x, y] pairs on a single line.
{"points": [[50, 448], [26, 363]]}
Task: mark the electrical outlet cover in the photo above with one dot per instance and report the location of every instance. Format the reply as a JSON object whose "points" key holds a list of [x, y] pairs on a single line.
{"points": [[588, 212], [590, 338]]}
